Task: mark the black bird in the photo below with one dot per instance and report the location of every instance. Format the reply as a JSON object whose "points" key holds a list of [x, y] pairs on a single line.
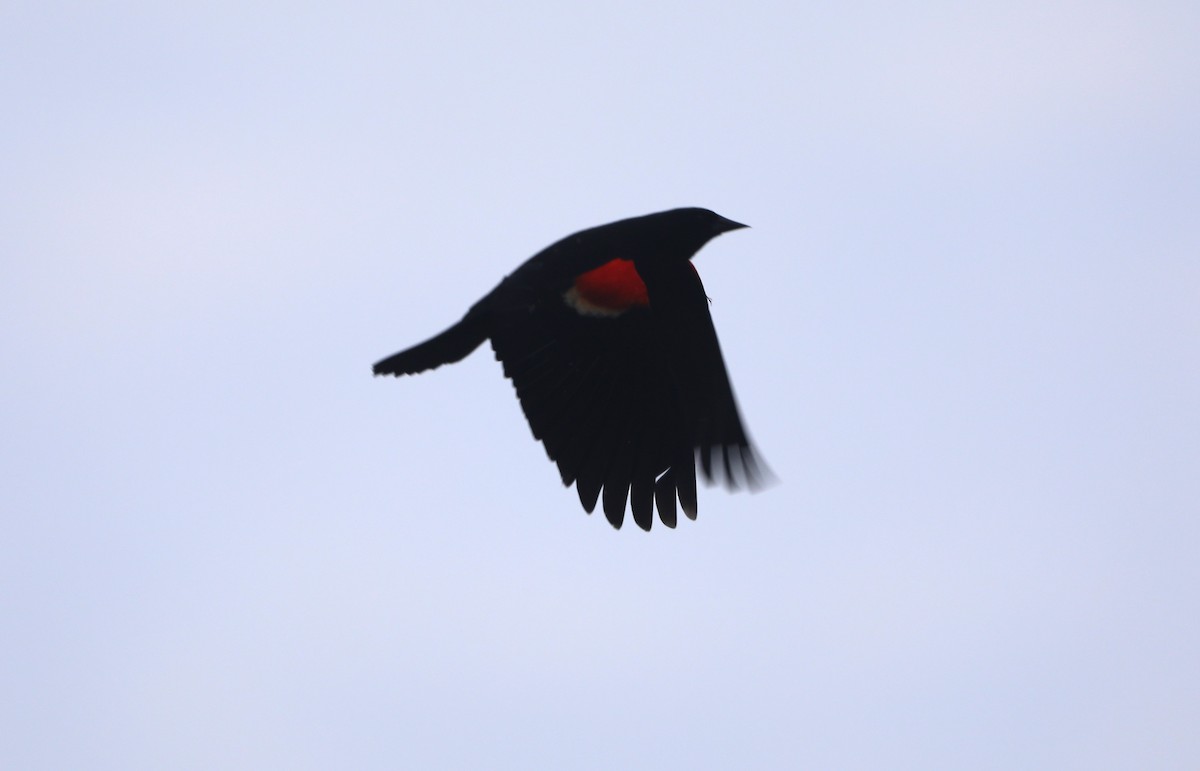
{"points": [[608, 340]]}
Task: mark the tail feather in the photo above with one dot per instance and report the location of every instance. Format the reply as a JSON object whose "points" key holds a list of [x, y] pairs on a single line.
{"points": [[450, 346]]}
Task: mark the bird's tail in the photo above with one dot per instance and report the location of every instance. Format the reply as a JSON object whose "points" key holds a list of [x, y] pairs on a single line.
{"points": [[450, 346]]}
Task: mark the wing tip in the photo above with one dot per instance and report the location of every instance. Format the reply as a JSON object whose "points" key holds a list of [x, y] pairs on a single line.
{"points": [[739, 467]]}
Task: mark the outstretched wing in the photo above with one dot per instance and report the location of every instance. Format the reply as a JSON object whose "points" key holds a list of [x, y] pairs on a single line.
{"points": [[602, 404], [688, 343], [622, 403]]}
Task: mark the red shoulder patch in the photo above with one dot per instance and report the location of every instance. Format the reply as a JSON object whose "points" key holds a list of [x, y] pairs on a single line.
{"points": [[608, 290]]}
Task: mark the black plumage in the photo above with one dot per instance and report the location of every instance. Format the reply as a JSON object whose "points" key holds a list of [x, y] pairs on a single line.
{"points": [[607, 337]]}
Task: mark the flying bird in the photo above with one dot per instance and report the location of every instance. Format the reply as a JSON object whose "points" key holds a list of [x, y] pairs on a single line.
{"points": [[608, 340]]}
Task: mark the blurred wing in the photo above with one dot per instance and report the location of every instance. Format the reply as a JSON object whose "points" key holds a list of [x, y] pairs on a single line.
{"points": [[688, 344]]}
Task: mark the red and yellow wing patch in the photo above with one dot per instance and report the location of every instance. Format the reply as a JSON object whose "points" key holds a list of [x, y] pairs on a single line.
{"points": [[608, 290]]}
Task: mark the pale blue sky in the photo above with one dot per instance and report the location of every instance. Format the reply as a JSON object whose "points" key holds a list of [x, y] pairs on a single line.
{"points": [[963, 328]]}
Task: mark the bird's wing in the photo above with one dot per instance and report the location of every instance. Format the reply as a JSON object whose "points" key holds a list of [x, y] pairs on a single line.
{"points": [[599, 398], [688, 343]]}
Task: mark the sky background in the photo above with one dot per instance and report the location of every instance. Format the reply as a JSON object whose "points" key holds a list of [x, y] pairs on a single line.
{"points": [[964, 330]]}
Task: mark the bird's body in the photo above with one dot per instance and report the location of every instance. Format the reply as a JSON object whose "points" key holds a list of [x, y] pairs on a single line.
{"points": [[608, 340]]}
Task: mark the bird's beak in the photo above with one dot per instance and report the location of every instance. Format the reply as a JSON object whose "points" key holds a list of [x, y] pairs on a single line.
{"points": [[725, 225]]}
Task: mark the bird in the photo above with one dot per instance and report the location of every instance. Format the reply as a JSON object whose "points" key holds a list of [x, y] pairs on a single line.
{"points": [[608, 339]]}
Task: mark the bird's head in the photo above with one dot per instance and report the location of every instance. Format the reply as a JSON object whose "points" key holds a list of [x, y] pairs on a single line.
{"points": [[671, 235]]}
